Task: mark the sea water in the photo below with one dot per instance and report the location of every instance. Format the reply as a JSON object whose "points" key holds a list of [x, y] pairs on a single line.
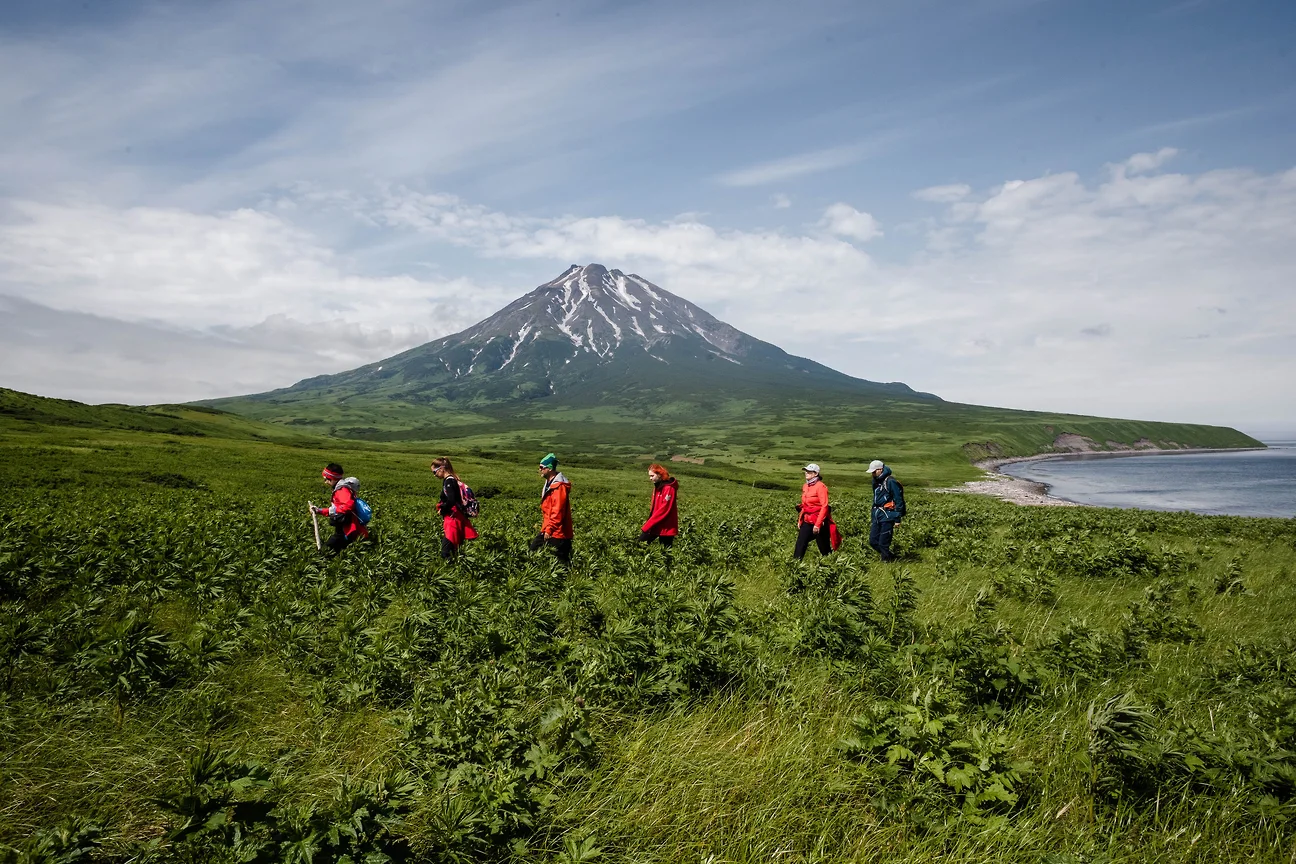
{"points": [[1244, 483]]}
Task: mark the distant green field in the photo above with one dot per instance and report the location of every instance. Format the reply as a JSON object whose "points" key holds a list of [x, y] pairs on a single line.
{"points": [[185, 680], [935, 443], [938, 441]]}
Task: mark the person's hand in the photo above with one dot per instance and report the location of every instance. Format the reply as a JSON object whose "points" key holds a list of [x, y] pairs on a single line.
{"points": [[545, 534], [816, 529]]}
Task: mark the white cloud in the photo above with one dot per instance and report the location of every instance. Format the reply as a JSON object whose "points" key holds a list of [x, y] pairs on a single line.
{"points": [[99, 359], [193, 270], [1142, 163], [780, 170], [244, 280], [845, 221], [781, 201], [944, 194]]}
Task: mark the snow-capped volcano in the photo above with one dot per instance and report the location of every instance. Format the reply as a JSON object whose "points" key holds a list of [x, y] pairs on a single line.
{"points": [[590, 335], [603, 312]]}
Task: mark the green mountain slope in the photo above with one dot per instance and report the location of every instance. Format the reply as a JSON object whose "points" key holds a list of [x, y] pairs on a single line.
{"points": [[24, 412]]}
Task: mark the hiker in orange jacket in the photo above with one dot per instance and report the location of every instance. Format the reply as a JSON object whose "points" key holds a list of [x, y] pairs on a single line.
{"points": [[555, 511], [663, 518], [812, 514]]}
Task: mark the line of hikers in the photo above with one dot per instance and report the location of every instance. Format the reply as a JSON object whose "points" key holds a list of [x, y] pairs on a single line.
{"points": [[349, 514]]}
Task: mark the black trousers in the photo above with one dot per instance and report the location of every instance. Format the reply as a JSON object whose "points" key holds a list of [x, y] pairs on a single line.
{"points": [[880, 538], [338, 541], [449, 551], [666, 542], [805, 533], [562, 549]]}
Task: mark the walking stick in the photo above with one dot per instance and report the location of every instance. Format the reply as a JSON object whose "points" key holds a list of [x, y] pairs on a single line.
{"points": [[315, 522]]}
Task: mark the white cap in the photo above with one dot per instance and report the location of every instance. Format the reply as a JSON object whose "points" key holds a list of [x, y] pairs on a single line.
{"points": [[875, 465], [813, 466]]}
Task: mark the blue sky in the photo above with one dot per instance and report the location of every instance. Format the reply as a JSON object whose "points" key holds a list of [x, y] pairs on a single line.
{"points": [[1034, 203]]}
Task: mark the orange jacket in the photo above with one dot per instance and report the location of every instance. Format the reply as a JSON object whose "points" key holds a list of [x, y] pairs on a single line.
{"points": [[814, 502], [555, 508]]}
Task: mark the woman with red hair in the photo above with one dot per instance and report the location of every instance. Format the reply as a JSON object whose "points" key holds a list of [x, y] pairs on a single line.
{"points": [[663, 519]]}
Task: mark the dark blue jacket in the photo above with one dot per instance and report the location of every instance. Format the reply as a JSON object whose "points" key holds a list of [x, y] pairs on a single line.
{"points": [[885, 490]]}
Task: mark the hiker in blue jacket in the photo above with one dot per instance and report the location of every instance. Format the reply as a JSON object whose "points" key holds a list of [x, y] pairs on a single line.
{"points": [[888, 508]]}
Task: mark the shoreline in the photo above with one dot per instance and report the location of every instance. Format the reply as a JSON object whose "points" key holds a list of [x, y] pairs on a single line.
{"points": [[993, 465], [1032, 493]]}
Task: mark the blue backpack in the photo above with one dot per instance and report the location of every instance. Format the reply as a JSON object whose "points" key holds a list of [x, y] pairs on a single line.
{"points": [[363, 512]]}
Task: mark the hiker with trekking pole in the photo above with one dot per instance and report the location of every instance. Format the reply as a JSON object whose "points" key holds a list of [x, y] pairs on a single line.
{"points": [[888, 508], [347, 513], [814, 519], [663, 516], [555, 512], [457, 507]]}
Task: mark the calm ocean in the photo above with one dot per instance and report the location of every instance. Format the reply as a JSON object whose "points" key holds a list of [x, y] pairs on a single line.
{"points": [[1252, 483]]}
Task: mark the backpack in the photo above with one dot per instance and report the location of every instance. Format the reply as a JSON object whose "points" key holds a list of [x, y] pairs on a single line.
{"points": [[470, 505], [896, 496], [899, 499], [363, 512]]}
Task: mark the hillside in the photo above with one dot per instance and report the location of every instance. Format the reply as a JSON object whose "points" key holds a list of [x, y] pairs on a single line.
{"points": [[24, 412], [598, 361]]}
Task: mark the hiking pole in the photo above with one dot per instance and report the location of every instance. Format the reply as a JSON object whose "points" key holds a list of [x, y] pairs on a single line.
{"points": [[315, 522]]}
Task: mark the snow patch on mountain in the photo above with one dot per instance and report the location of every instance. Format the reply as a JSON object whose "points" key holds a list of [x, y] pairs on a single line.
{"points": [[521, 337]]}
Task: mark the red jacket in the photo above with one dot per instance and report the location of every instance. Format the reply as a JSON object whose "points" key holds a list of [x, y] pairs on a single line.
{"points": [[344, 505], [814, 502], [555, 508], [663, 521]]}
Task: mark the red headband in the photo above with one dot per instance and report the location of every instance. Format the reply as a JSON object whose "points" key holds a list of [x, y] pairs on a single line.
{"points": [[330, 476]]}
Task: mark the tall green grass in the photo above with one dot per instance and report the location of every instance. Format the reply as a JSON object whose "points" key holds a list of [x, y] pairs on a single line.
{"points": [[389, 704]]}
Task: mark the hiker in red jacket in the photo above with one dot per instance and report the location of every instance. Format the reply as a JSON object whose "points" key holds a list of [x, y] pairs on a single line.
{"points": [[663, 519], [812, 514], [456, 526], [342, 512]]}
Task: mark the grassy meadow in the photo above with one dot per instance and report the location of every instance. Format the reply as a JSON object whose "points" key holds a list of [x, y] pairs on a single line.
{"points": [[185, 679]]}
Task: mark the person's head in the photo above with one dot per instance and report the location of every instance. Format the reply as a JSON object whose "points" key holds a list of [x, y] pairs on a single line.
{"points": [[657, 473], [442, 468], [332, 473], [548, 466], [811, 471], [876, 467]]}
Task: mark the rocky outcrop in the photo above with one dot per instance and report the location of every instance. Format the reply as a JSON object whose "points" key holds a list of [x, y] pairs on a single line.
{"points": [[1069, 442]]}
